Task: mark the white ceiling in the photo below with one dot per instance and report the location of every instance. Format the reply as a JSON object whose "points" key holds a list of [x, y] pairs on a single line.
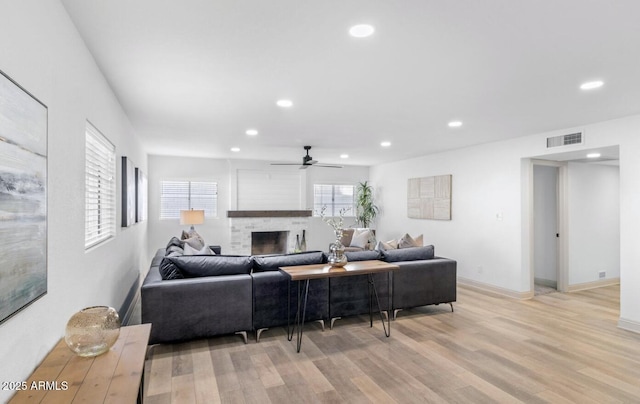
{"points": [[193, 75]]}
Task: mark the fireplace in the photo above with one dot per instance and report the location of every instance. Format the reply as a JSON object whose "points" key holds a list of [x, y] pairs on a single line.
{"points": [[269, 242]]}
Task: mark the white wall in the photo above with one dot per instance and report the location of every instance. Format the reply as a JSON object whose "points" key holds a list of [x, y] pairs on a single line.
{"points": [[225, 172], [490, 232], [41, 50], [545, 204], [594, 222]]}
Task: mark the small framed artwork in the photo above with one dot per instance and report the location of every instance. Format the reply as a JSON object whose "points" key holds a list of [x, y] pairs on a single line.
{"points": [[23, 198], [128, 192], [141, 196]]}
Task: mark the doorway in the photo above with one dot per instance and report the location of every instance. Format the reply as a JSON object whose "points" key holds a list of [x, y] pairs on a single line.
{"points": [[546, 227]]}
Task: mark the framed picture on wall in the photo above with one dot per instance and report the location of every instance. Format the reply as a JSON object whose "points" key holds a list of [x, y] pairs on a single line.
{"points": [[141, 196], [128, 192], [23, 198]]}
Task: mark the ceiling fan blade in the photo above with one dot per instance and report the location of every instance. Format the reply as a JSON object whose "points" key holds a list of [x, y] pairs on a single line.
{"points": [[311, 161], [327, 166], [285, 164], [305, 166]]}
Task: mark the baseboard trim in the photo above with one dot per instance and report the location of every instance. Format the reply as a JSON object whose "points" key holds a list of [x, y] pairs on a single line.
{"points": [[629, 325], [130, 302], [485, 287], [592, 285], [546, 282]]}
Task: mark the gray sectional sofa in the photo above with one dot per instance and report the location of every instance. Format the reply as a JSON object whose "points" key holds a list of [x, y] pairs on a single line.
{"points": [[190, 297]]}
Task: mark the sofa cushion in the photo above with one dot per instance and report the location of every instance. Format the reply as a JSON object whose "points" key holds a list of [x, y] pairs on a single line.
{"points": [[174, 249], [168, 270], [347, 235], [274, 262], [195, 266], [409, 254], [175, 241], [363, 255]]}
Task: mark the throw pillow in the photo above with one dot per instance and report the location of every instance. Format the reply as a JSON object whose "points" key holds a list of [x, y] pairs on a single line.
{"points": [[188, 250], [193, 239], [407, 241], [360, 238], [387, 245]]}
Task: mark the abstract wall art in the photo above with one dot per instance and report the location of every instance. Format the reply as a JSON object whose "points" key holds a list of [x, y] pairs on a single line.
{"points": [[23, 198], [128, 192], [429, 197], [141, 196]]}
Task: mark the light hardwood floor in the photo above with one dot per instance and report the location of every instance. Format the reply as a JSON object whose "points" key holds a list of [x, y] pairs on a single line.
{"points": [[555, 348]]}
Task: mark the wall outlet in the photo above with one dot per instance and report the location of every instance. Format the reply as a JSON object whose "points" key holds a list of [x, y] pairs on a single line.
{"points": [[480, 269], [602, 274]]}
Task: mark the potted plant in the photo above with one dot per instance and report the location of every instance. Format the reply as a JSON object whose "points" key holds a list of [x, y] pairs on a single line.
{"points": [[366, 210]]}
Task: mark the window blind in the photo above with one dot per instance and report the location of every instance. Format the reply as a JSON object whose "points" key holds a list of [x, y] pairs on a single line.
{"points": [[100, 188], [334, 197], [184, 195]]}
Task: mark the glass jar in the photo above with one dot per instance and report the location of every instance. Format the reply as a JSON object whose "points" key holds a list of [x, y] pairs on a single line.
{"points": [[92, 331]]}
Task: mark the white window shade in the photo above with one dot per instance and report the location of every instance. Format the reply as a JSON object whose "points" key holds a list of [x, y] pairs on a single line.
{"points": [[100, 188], [185, 195], [334, 197]]}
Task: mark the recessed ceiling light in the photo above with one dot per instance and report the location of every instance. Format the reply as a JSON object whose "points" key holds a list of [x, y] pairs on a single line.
{"points": [[455, 124], [593, 155], [284, 103], [385, 144], [361, 30], [344, 156], [251, 132], [590, 85], [235, 149]]}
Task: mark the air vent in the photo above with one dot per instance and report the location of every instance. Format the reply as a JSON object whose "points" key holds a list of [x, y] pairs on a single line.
{"points": [[564, 140]]}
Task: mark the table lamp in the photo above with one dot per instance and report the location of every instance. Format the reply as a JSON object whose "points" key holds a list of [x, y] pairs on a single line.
{"points": [[192, 217]]}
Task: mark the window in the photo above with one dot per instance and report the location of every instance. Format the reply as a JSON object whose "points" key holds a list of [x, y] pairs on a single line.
{"points": [[334, 197], [184, 195], [100, 188]]}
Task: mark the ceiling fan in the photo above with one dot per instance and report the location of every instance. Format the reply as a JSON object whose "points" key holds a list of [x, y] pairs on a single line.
{"points": [[307, 161]]}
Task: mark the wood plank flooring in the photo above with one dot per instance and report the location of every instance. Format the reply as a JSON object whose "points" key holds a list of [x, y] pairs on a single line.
{"points": [[555, 348]]}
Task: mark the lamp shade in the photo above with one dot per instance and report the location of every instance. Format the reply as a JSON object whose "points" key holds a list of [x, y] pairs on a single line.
{"points": [[191, 216]]}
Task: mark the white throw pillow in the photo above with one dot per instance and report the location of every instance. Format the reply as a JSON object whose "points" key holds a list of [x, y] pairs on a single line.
{"points": [[188, 250], [360, 238]]}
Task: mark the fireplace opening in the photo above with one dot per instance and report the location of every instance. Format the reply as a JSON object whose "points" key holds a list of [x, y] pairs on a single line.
{"points": [[269, 242]]}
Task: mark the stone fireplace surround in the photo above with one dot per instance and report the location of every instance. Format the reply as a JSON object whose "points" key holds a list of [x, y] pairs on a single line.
{"points": [[242, 227]]}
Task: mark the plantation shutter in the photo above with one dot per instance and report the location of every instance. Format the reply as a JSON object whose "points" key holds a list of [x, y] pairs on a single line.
{"points": [[100, 188]]}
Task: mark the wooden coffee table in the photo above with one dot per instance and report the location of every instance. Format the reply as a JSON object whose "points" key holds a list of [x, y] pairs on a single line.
{"points": [[304, 273]]}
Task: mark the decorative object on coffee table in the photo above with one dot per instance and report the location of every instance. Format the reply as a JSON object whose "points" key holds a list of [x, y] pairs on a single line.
{"points": [[336, 250], [92, 331]]}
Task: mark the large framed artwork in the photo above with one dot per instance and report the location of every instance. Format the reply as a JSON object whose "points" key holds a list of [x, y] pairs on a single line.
{"points": [[23, 198], [429, 197], [141, 196], [128, 192]]}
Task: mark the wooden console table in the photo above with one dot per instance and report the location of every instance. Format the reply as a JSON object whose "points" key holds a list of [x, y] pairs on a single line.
{"points": [[305, 273], [113, 377]]}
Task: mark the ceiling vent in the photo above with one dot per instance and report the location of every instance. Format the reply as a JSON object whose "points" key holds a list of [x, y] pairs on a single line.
{"points": [[564, 140]]}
